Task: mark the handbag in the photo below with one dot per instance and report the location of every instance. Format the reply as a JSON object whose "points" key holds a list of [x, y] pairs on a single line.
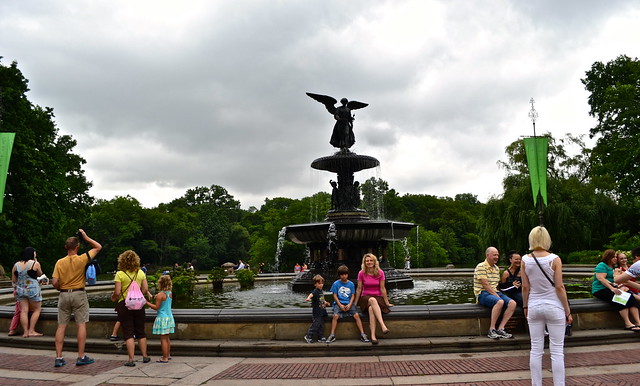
{"points": [[135, 299]]}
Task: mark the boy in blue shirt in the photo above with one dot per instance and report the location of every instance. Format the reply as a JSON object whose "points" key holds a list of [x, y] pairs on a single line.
{"points": [[344, 292]]}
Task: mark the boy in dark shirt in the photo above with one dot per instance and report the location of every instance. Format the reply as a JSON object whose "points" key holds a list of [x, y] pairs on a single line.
{"points": [[319, 312]]}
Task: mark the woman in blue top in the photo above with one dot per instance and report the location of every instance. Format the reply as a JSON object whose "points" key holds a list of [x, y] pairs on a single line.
{"points": [[604, 288]]}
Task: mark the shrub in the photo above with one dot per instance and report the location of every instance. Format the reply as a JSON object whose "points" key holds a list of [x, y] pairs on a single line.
{"points": [[584, 257], [217, 276], [245, 277], [184, 282]]}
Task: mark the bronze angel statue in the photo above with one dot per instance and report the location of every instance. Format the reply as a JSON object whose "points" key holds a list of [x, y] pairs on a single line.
{"points": [[342, 136]]}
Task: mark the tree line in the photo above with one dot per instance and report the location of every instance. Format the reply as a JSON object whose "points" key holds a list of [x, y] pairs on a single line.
{"points": [[592, 200]]}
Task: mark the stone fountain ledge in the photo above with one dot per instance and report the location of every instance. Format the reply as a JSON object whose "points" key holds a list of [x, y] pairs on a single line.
{"points": [[278, 332]]}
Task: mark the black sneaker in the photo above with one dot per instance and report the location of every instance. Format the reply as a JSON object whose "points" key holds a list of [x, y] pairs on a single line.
{"points": [[308, 339], [114, 338], [85, 360], [364, 338], [60, 362], [146, 359], [331, 338]]}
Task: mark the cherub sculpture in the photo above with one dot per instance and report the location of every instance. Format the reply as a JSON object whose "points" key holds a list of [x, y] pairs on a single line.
{"points": [[342, 136]]}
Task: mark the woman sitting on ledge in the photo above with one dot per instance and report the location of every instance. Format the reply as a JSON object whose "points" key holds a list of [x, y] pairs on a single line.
{"points": [[604, 288], [511, 281], [371, 294]]}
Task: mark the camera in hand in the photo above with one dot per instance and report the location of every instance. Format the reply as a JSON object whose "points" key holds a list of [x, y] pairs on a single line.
{"points": [[567, 330], [79, 236]]}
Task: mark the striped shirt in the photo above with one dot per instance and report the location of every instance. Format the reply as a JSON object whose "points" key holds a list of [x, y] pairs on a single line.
{"points": [[485, 271]]}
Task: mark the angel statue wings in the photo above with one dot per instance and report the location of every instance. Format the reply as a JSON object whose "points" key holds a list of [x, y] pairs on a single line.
{"points": [[342, 136]]}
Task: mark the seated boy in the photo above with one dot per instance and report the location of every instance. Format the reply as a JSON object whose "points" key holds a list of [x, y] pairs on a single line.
{"points": [[343, 294]]}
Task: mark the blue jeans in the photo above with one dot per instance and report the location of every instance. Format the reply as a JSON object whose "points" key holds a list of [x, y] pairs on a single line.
{"points": [[488, 300]]}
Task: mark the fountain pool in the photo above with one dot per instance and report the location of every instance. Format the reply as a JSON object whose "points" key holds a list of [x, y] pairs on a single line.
{"points": [[273, 294]]}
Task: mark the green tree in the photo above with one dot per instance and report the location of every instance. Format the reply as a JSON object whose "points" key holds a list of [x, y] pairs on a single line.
{"points": [[46, 196], [117, 225], [614, 101]]}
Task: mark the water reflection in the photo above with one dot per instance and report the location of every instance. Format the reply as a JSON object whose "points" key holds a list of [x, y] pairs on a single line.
{"points": [[452, 290]]}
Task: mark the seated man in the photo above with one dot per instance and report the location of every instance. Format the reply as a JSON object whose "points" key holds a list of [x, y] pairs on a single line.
{"points": [[486, 277]]}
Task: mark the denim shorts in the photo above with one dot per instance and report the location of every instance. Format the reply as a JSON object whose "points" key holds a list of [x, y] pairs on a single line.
{"points": [[488, 300], [344, 314]]}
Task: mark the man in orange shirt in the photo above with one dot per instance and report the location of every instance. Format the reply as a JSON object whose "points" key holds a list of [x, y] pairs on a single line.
{"points": [[68, 278]]}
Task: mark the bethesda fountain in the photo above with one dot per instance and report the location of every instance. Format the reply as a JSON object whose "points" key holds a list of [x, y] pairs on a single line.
{"points": [[347, 232]]}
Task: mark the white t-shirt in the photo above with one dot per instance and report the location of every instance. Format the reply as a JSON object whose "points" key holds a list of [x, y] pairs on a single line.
{"points": [[541, 292]]}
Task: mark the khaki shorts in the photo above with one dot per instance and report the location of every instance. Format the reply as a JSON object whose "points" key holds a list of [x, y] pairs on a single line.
{"points": [[75, 303]]}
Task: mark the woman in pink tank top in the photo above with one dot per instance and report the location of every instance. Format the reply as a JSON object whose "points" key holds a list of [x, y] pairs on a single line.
{"points": [[371, 294]]}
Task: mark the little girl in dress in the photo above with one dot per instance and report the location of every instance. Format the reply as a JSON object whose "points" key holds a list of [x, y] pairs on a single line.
{"points": [[164, 323]]}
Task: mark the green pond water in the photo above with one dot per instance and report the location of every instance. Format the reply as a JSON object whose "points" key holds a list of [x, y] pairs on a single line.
{"points": [[276, 294]]}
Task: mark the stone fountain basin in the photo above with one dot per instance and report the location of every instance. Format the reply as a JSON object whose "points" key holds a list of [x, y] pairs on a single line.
{"points": [[345, 162], [362, 230]]}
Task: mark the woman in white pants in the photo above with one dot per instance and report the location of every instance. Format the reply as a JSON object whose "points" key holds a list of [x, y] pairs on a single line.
{"points": [[545, 303]]}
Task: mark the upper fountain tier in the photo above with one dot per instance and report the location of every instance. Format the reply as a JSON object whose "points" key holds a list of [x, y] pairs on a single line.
{"points": [[345, 161]]}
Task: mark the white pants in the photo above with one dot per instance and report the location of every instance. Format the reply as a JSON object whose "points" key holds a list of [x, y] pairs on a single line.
{"points": [[555, 320]]}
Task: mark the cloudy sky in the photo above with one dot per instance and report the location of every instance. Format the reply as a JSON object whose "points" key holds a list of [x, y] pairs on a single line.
{"points": [[163, 96]]}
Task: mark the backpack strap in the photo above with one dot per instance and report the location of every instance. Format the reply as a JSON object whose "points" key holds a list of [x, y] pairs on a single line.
{"points": [[126, 289]]}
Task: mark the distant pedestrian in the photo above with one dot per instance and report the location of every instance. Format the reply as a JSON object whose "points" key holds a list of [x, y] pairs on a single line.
{"points": [[164, 323], [90, 274], [297, 268]]}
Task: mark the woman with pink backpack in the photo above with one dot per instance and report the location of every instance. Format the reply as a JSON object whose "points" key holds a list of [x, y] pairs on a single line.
{"points": [[130, 285]]}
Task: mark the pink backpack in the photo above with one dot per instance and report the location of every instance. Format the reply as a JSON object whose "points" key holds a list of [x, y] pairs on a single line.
{"points": [[135, 299]]}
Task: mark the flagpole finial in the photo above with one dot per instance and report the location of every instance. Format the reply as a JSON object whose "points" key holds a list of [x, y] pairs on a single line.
{"points": [[533, 115]]}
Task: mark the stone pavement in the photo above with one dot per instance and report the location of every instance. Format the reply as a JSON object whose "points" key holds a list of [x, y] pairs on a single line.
{"points": [[587, 365]]}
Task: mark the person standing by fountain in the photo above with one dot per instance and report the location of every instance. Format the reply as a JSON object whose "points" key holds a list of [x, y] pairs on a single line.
{"points": [[25, 275], [318, 313], [164, 323], [132, 321], [545, 304], [344, 292], [68, 278], [486, 277], [371, 294]]}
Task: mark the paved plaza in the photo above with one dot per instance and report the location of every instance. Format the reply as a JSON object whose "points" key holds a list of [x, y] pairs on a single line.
{"points": [[589, 365]]}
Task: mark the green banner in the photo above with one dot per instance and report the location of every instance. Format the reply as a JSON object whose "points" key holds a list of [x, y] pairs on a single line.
{"points": [[536, 149], [6, 144]]}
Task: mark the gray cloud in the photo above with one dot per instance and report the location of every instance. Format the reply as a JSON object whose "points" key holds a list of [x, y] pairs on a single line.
{"points": [[164, 96]]}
